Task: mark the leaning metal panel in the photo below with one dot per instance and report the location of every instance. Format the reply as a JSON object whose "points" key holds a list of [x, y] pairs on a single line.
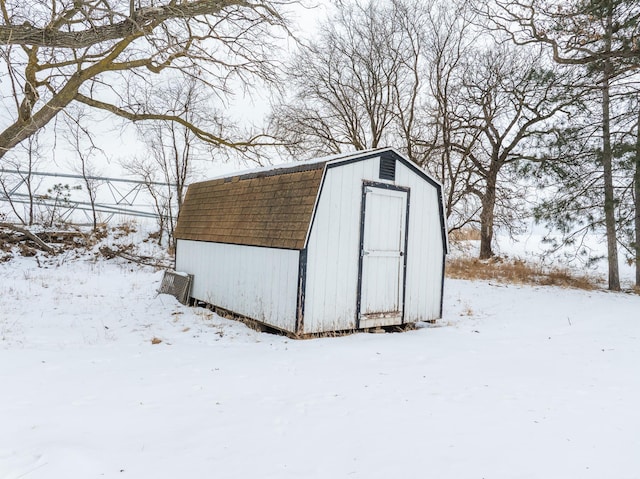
{"points": [[177, 284]]}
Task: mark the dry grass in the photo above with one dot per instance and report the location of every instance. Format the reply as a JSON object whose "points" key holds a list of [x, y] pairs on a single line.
{"points": [[518, 272]]}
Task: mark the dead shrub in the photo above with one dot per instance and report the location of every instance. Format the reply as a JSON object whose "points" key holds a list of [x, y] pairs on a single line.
{"points": [[26, 251], [100, 233], [124, 229], [518, 272]]}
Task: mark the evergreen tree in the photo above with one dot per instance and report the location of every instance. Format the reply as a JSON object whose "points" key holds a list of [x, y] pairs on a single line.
{"points": [[599, 35]]}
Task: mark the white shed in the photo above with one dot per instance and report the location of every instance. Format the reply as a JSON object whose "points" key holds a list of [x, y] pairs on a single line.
{"points": [[348, 242]]}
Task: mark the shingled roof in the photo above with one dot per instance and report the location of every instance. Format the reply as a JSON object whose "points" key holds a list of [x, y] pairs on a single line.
{"points": [[270, 208]]}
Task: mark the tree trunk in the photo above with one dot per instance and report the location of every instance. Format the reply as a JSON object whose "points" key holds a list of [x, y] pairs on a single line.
{"points": [[23, 129], [636, 188], [486, 215], [609, 200]]}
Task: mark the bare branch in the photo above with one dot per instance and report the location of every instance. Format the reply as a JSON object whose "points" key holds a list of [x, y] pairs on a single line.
{"points": [[140, 21]]}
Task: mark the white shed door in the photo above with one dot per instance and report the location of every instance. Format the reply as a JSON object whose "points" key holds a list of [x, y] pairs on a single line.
{"points": [[383, 244]]}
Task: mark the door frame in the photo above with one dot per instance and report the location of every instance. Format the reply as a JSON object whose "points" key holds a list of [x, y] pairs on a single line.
{"points": [[363, 207]]}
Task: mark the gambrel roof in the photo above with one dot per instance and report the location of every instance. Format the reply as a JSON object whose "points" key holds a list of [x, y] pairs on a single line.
{"points": [[270, 208]]}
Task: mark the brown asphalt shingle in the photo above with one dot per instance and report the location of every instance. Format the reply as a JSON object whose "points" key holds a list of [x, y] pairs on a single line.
{"points": [[270, 208]]}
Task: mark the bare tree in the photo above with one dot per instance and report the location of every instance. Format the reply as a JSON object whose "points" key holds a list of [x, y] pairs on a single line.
{"points": [[512, 101], [387, 73], [57, 52], [20, 178], [81, 141], [146, 170], [357, 85], [174, 149], [450, 39]]}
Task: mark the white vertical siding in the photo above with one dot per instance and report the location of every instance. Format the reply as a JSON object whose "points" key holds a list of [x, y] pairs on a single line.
{"points": [[333, 249], [425, 249], [260, 283]]}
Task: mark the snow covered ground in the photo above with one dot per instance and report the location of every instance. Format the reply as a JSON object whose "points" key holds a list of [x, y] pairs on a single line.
{"points": [[514, 382]]}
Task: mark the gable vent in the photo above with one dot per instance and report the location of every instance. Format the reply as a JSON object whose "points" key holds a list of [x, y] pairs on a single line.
{"points": [[388, 169]]}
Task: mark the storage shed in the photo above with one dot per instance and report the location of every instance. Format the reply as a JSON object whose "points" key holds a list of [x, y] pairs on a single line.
{"points": [[347, 242]]}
